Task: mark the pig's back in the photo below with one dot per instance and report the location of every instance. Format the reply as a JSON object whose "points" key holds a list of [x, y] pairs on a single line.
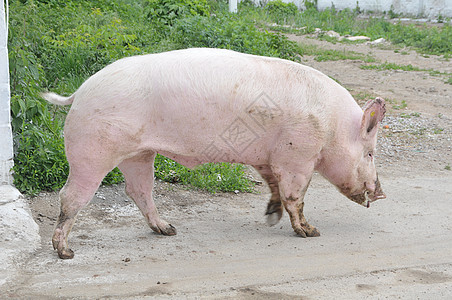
{"points": [[184, 100]]}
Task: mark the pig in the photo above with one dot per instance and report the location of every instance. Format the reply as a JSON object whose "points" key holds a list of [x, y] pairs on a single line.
{"points": [[204, 105]]}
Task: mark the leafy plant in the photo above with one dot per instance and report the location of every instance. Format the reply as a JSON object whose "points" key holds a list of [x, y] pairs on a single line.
{"points": [[280, 11], [211, 177], [310, 4], [392, 14], [39, 162], [167, 11], [231, 32]]}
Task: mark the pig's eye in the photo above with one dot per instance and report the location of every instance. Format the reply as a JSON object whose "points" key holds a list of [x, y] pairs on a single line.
{"points": [[370, 155]]}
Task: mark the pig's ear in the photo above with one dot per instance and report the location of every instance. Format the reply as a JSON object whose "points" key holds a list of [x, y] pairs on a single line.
{"points": [[374, 111]]}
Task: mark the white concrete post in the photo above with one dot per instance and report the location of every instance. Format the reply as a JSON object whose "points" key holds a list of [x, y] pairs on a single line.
{"points": [[233, 6], [6, 139], [19, 234]]}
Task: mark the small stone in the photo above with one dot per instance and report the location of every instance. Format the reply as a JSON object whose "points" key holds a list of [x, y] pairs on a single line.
{"points": [[378, 41], [333, 34], [358, 38]]}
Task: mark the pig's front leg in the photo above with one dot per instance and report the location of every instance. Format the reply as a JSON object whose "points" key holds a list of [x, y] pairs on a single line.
{"points": [[293, 187]]}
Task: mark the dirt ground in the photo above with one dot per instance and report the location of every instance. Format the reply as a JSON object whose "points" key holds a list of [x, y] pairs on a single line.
{"points": [[400, 248]]}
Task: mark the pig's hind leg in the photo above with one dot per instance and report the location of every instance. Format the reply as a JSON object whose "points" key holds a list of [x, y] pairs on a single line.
{"points": [[274, 210], [138, 172], [76, 194]]}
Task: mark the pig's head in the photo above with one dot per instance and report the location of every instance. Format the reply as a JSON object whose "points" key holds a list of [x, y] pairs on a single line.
{"points": [[351, 166]]}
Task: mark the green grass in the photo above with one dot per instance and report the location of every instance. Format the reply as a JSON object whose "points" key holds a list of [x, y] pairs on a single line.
{"points": [[402, 105], [391, 66], [408, 116], [223, 177], [425, 39], [408, 68], [321, 54]]}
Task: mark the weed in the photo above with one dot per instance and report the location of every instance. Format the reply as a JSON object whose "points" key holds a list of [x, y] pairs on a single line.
{"points": [[410, 115], [392, 14], [321, 54], [420, 131], [391, 66], [280, 12], [408, 68], [231, 32], [405, 116], [39, 162], [211, 177], [448, 168], [403, 105], [362, 97], [167, 11], [438, 130], [310, 5]]}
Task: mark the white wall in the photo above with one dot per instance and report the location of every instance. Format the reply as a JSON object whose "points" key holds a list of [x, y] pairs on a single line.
{"points": [[6, 141], [419, 8]]}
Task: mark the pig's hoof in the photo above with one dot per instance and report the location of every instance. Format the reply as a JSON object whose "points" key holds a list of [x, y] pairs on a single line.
{"points": [[66, 254], [274, 213], [312, 232], [300, 232], [169, 230], [307, 231], [166, 229], [273, 218]]}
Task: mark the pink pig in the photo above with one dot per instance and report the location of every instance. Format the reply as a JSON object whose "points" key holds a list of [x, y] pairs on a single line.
{"points": [[210, 105]]}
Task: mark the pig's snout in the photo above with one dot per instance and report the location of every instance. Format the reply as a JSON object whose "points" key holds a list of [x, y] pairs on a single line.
{"points": [[371, 193], [376, 192]]}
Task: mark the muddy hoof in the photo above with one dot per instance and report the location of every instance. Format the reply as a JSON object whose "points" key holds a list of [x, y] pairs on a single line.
{"points": [[169, 230], [307, 232], [301, 233], [313, 232], [66, 254]]}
